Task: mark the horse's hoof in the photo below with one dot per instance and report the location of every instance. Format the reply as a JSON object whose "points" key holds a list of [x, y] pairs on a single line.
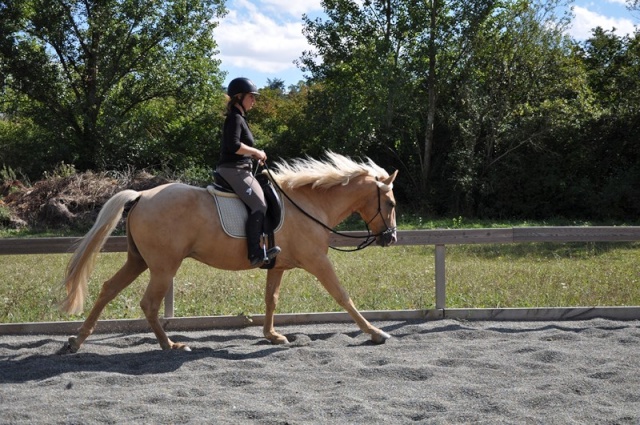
{"points": [[69, 347], [380, 338], [180, 347], [278, 340]]}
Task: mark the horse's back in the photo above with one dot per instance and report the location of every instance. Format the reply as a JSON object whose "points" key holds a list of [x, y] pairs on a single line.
{"points": [[175, 220], [172, 206]]}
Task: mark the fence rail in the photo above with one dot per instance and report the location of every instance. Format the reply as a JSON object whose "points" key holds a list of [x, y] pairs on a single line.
{"points": [[60, 245], [438, 238]]}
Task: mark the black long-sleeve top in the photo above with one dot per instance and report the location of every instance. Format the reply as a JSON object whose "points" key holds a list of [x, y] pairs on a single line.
{"points": [[235, 131]]}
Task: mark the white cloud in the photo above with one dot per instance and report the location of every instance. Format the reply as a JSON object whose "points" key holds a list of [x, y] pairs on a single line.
{"points": [[585, 21], [263, 36]]}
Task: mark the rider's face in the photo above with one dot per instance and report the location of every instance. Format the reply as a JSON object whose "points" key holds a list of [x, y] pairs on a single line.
{"points": [[248, 101]]}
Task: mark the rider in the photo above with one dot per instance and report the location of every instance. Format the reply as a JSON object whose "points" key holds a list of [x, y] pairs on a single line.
{"points": [[235, 165]]}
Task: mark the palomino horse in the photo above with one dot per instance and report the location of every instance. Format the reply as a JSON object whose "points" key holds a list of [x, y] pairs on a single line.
{"points": [[169, 223]]}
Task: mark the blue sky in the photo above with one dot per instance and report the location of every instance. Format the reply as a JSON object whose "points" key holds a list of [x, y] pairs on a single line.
{"points": [[260, 39]]}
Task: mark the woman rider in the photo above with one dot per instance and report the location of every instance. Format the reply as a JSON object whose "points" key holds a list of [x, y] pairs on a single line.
{"points": [[235, 165]]}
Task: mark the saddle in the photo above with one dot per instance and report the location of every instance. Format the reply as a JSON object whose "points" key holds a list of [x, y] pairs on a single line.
{"points": [[233, 212]]}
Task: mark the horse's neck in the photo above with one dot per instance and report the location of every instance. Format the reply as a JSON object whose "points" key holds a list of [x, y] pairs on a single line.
{"points": [[336, 203]]}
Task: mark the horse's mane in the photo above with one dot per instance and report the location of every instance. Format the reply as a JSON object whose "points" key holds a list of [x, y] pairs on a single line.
{"points": [[335, 170]]}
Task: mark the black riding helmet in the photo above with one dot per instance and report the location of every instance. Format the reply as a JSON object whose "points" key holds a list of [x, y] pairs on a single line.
{"points": [[241, 85]]}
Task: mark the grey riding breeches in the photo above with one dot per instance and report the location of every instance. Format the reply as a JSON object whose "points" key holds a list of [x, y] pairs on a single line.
{"points": [[246, 186]]}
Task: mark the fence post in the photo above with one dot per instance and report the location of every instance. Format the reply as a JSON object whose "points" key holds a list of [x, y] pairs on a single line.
{"points": [[440, 277], [168, 302]]}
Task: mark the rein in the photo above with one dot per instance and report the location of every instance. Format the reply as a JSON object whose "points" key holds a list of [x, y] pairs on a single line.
{"points": [[368, 239]]}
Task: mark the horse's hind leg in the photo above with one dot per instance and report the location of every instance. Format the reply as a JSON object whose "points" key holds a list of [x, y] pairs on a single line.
{"points": [[156, 290], [133, 267]]}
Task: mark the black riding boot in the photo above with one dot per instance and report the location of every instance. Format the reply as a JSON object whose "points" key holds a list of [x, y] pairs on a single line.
{"points": [[257, 254]]}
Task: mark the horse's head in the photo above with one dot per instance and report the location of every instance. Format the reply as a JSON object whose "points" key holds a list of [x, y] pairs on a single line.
{"points": [[380, 212], [376, 207]]}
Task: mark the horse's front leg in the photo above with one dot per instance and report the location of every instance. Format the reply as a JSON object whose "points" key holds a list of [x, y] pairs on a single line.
{"points": [[272, 292], [324, 271]]}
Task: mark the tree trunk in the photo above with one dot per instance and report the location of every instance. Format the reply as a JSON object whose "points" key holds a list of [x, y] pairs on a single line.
{"points": [[431, 98]]}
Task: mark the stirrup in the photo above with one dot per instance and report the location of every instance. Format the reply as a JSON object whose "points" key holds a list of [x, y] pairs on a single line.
{"points": [[270, 254], [267, 256]]}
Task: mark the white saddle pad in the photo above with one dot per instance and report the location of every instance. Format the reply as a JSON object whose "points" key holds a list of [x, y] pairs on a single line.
{"points": [[233, 213]]}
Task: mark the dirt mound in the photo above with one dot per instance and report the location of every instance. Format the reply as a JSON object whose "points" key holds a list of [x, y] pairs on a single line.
{"points": [[71, 202]]}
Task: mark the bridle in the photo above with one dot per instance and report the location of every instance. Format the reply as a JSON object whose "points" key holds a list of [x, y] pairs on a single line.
{"points": [[369, 238], [388, 230]]}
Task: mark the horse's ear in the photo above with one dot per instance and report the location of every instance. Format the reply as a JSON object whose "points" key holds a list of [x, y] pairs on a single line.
{"points": [[391, 178]]}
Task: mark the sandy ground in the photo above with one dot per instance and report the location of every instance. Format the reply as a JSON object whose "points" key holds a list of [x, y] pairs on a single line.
{"points": [[437, 372]]}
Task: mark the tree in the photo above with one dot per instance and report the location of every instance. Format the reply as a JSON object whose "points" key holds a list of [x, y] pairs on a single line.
{"points": [[452, 88], [518, 84], [276, 84], [278, 120], [87, 68], [610, 159], [383, 65]]}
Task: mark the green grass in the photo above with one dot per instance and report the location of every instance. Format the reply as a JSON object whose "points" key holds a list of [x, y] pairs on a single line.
{"points": [[400, 277]]}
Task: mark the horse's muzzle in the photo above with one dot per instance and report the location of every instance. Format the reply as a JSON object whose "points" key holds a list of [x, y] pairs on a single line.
{"points": [[388, 237]]}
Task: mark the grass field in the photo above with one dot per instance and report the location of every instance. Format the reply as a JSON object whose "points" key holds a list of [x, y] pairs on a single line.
{"points": [[399, 277]]}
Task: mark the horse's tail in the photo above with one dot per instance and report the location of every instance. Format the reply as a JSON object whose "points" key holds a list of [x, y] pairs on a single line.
{"points": [[82, 263]]}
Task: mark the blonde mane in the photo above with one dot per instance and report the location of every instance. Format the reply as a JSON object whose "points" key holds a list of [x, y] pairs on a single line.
{"points": [[336, 170]]}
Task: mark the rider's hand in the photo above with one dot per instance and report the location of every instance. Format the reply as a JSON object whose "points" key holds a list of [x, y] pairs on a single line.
{"points": [[260, 156]]}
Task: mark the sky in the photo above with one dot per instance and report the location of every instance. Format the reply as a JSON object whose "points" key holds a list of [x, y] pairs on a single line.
{"points": [[261, 39]]}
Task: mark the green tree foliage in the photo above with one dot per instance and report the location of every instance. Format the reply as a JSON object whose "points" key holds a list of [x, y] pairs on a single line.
{"points": [[486, 105], [388, 71], [361, 84], [609, 159], [101, 76], [279, 120], [518, 83], [276, 84]]}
